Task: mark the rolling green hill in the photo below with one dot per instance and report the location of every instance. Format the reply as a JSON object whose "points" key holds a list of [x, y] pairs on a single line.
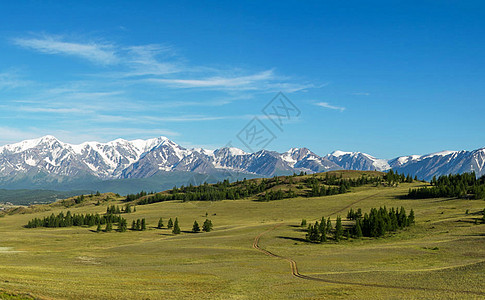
{"points": [[256, 250]]}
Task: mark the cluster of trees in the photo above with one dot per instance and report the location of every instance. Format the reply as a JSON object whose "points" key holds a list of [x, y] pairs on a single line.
{"points": [[213, 192], [122, 226], [110, 210], [68, 220], [139, 225], [207, 226], [375, 224], [380, 221], [458, 185], [132, 197], [319, 231], [81, 198], [393, 177], [333, 185], [277, 195]]}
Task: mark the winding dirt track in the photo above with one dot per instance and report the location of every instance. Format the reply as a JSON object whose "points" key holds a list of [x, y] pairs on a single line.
{"points": [[296, 273]]}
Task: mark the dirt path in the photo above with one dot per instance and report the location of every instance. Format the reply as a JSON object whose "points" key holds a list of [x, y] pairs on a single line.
{"points": [[296, 273]]}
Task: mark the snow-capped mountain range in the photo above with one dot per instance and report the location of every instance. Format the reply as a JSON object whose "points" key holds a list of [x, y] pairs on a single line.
{"points": [[122, 159]]}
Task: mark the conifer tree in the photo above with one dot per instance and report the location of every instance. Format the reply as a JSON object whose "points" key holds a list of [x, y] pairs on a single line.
{"points": [[138, 224], [411, 217], [313, 234], [303, 223], [329, 225], [98, 229], [143, 224], [133, 225], [322, 226], [323, 231], [338, 229], [160, 224], [358, 229], [170, 224], [207, 226], [195, 227], [122, 225], [109, 227], [176, 228]]}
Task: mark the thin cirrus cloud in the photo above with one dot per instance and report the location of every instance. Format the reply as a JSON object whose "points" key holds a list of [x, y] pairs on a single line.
{"points": [[217, 82], [158, 64], [329, 106], [99, 53], [10, 80]]}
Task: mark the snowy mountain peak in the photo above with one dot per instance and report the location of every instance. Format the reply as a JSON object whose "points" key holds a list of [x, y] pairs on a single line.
{"points": [[29, 144], [139, 158], [338, 153]]}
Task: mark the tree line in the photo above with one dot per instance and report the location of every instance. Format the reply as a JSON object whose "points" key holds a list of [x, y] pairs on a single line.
{"points": [[330, 184], [68, 220], [464, 185]]}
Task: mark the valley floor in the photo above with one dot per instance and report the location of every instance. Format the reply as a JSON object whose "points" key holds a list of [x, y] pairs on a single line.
{"points": [[442, 256]]}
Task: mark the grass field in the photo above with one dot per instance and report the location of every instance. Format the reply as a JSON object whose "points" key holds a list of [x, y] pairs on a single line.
{"points": [[441, 256]]}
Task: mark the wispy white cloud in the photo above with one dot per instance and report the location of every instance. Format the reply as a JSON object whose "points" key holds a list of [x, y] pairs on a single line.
{"points": [[329, 106], [53, 110], [100, 53], [10, 80], [159, 64], [144, 60], [360, 94], [247, 82]]}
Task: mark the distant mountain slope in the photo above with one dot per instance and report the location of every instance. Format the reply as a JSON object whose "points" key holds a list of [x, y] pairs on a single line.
{"points": [[441, 163], [48, 162]]}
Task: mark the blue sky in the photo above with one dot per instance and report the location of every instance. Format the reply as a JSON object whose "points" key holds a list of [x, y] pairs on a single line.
{"points": [[388, 78]]}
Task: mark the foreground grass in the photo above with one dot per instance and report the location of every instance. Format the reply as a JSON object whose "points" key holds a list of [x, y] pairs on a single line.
{"points": [[444, 252]]}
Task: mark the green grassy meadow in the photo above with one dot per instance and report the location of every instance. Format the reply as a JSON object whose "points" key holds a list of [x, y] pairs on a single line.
{"points": [[441, 257]]}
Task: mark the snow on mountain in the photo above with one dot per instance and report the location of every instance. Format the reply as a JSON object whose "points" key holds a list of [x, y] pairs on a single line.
{"points": [[358, 161], [144, 158], [441, 163]]}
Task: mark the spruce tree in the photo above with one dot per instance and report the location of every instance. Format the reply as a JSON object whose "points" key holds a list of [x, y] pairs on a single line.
{"points": [[122, 225], [411, 217], [138, 224], [160, 224], [109, 227], [176, 228], [207, 226], [98, 229], [322, 226], [338, 229], [323, 232], [303, 223], [329, 225], [195, 227], [170, 224], [143, 224], [358, 229], [133, 225]]}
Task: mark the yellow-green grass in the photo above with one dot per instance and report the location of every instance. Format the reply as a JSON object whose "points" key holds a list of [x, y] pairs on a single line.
{"points": [[444, 252]]}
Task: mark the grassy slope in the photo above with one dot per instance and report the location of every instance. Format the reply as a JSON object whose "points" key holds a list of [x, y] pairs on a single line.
{"points": [[78, 263]]}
